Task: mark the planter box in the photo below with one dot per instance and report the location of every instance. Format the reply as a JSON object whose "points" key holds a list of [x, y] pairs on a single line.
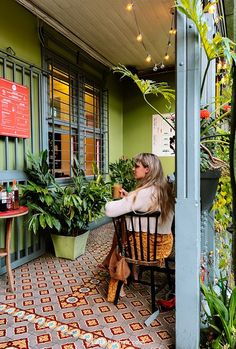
{"points": [[69, 247], [209, 183]]}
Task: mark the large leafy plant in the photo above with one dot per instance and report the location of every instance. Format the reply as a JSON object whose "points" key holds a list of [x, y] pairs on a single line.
{"points": [[64, 210], [220, 314], [121, 171], [218, 46], [149, 87], [213, 134]]}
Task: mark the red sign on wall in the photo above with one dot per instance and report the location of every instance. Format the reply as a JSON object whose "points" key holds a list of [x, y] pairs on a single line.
{"points": [[14, 109]]}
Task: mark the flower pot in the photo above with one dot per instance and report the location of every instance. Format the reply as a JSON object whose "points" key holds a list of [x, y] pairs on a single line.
{"points": [[209, 183], [69, 247]]}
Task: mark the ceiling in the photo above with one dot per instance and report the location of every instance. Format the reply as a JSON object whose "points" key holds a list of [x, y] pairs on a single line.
{"points": [[107, 31]]}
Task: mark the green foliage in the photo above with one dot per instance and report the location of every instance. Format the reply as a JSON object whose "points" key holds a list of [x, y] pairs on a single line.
{"points": [[148, 87], [223, 204], [64, 210], [223, 247], [216, 47], [220, 314], [38, 170], [121, 171]]}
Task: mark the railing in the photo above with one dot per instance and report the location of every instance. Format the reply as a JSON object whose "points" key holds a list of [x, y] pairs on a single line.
{"points": [[25, 246]]}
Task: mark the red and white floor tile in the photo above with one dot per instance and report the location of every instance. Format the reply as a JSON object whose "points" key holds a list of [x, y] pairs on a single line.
{"points": [[61, 304]]}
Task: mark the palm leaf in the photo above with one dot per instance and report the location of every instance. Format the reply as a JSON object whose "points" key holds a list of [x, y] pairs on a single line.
{"points": [[232, 308], [148, 87]]}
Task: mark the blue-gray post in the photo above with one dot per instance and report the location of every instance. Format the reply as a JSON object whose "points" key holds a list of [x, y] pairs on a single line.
{"points": [[188, 185]]}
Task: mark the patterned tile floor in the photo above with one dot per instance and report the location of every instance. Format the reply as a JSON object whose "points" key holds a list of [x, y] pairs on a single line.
{"points": [[61, 304]]}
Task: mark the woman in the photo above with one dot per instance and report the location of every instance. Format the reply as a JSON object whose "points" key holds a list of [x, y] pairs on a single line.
{"points": [[152, 193]]}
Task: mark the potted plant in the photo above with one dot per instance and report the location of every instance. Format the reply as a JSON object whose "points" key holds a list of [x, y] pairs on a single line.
{"points": [[121, 171], [219, 303], [63, 211]]}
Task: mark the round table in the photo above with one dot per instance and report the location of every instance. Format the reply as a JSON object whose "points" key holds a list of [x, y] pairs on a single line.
{"points": [[9, 215]]}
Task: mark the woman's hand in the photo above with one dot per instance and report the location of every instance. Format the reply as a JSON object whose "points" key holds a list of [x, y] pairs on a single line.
{"points": [[123, 193]]}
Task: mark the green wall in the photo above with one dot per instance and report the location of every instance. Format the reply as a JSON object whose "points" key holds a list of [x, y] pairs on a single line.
{"points": [[18, 29], [138, 120], [115, 118]]}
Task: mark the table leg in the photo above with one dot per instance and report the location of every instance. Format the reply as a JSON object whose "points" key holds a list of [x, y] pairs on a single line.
{"points": [[8, 251]]}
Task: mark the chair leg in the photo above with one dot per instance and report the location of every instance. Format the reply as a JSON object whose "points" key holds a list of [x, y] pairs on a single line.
{"points": [[153, 292], [120, 283]]}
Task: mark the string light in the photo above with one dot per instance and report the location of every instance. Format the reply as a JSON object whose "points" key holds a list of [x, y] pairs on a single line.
{"points": [[139, 37], [148, 58], [166, 57], [129, 6], [172, 32]]}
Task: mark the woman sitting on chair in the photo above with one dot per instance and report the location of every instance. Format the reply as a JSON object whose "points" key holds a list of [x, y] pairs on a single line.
{"points": [[152, 193]]}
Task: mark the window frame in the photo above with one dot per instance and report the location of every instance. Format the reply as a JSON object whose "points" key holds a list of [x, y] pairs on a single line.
{"points": [[76, 122]]}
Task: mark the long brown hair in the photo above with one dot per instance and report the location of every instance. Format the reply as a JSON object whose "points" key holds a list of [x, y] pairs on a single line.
{"points": [[163, 196]]}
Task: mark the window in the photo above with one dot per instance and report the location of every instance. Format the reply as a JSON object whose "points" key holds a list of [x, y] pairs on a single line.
{"points": [[77, 125]]}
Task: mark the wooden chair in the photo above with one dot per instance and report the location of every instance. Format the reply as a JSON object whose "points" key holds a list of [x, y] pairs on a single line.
{"points": [[138, 250]]}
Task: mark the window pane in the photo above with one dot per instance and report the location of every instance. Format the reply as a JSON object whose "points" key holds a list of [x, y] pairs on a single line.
{"points": [[92, 154], [59, 154], [91, 107], [59, 96], [89, 155]]}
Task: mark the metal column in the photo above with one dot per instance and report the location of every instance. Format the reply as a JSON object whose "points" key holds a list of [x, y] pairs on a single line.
{"points": [[188, 185]]}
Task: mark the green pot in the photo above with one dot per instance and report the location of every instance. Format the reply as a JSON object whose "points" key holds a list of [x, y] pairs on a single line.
{"points": [[69, 247]]}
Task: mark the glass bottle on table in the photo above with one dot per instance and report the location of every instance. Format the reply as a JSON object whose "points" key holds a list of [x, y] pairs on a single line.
{"points": [[15, 195], [3, 198], [9, 199]]}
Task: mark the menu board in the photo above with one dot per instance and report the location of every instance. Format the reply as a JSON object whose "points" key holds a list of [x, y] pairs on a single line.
{"points": [[163, 135], [14, 109]]}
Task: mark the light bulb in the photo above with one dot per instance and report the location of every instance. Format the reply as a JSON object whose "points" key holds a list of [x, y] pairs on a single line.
{"points": [[171, 31], [162, 66], [169, 44], [129, 6], [166, 57], [174, 31], [155, 68], [148, 58], [139, 37], [211, 9]]}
